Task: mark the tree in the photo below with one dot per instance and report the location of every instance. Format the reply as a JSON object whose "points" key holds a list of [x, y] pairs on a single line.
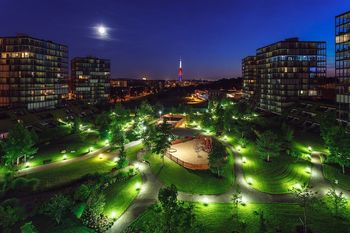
{"points": [[268, 145], [161, 140], [262, 222], [20, 143], [28, 228], [287, 138], [76, 125], [82, 193], [328, 127], [217, 158], [305, 197], [339, 146], [337, 201], [57, 207], [122, 162], [117, 136], [10, 213], [102, 123], [96, 203], [236, 201]]}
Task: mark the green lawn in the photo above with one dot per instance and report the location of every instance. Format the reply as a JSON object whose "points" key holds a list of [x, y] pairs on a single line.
{"points": [[275, 177], [131, 153], [200, 182], [218, 218], [68, 225], [74, 146], [70, 172], [120, 195], [333, 172]]}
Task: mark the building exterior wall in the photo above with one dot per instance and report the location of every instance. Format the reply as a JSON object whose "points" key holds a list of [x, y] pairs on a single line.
{"points": [[33, 72], [288, 71], [342, 62], [91, 79], [249, 74]]}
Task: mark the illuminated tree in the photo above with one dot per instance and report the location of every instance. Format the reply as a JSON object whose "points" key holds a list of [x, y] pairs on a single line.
{"points": [[305, 197], [217, 158], [19, 144], [337, 201], [268, 145]]}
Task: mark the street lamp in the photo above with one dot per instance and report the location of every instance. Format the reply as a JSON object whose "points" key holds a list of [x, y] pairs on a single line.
{"points": [[160, 113]]}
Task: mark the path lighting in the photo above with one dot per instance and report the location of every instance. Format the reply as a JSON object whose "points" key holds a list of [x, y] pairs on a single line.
{"points": [[138, 186], [244, 160], [308, 170], [91, 148], [26, 164], [160, 113], [239, 148], [116, 159], [205, 201], [250, 181], [113, 214], [64, 157], [297, 186], [107, 142], [309, 148], [100, 156]]}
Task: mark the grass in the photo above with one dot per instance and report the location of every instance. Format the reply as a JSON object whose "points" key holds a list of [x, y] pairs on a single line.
{"points": [[74, 146], [276, 177], [131, 153], [333, 172], [200, 182], [218, 218], [69, 225], [67, 173], [120, 195]]}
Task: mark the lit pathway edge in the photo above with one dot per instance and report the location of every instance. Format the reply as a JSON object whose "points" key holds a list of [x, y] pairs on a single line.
{"points": [[151, 186], [62, 163]]}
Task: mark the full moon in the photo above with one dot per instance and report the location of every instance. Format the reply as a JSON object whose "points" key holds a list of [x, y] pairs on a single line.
{"points": [[102, 30]]}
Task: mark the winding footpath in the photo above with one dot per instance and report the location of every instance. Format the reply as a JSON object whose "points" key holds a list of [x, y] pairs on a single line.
{"points": [[151, 186]]}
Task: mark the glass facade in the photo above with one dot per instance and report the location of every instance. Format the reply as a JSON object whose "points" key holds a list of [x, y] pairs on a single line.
{"points": [[33, 72], [249, 74], [342, 62], [90, 79], [289, 70]]}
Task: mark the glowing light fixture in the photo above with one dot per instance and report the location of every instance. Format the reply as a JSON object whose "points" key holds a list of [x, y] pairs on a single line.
{"points": [[205, 201], [244, 159], [250, 181], [309, 148], [64, 157]]}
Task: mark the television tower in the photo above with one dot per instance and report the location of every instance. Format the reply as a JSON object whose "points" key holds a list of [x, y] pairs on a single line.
{"points": [[180, 72]]}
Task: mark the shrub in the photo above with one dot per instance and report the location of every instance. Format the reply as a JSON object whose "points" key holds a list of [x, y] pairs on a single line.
{"points": [[99, 223]]}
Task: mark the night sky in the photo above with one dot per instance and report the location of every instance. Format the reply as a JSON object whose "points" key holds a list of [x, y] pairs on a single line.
{"points": [[148, 37]]}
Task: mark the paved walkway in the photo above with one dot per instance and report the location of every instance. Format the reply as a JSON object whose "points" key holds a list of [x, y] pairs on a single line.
{"points": [[151, 186], [147, 196], [62, 163]]}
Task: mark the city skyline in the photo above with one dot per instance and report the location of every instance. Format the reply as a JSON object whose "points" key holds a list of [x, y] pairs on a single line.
{"points": [[147, 39]]}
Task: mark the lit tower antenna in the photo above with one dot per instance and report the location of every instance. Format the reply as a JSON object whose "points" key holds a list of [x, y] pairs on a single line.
{"points": [[180, 73]]}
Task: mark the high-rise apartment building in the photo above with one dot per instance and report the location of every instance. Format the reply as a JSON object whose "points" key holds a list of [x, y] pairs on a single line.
{"points": [[287, 71], [342, 62], [249, 74], [33, 72], [90, 79]]}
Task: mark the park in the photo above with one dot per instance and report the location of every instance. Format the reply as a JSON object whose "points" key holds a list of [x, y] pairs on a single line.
{"points": [[219, 168]]}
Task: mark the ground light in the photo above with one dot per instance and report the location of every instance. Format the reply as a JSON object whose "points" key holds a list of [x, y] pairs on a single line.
{"points": [[297, 186], [239, 148], [113, 214], [138, 186], [91, 149], [116, 159], [308, 170], [309, 148], [100, 156], [250, 181], [27, 164], [244, 159], [107, 143], [205, 201], [64, 157]]}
